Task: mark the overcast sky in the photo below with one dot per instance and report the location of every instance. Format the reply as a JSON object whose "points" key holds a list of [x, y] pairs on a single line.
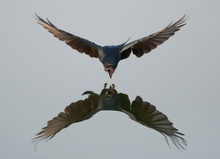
{"points": [[40, 76]]}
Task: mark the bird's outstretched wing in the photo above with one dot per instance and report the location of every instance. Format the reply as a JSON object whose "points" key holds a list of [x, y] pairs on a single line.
{"points": [[148, 43], [147, 115], [75, 112], [77, 43]]}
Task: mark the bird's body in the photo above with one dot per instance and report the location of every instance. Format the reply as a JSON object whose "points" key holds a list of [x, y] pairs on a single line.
{"points": [[109, 99], [111, 55]]}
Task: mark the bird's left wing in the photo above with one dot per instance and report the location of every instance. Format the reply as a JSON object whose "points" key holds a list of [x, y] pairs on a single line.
{"points": [[77, 43], [75, 112], [148, 43], [147, 115]]}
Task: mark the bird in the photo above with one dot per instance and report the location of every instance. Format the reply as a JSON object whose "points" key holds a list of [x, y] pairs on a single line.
{"points": [[110, 100], [110, 55]]}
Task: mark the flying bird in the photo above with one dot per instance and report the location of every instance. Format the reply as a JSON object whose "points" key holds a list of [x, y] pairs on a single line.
{"points": [[109, 99], [111, 55]]}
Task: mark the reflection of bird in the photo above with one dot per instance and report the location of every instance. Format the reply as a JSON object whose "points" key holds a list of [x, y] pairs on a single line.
{"points": [[109, 99], [111, 55]]}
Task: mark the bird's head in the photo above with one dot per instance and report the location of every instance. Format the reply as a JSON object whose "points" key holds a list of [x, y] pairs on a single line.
{"points": [[110, 69]]}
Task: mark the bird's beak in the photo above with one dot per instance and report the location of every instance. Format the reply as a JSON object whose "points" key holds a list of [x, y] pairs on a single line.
{"points": [[111, 71]]}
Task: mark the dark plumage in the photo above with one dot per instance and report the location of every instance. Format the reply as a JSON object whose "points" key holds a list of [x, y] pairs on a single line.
{"points": [[109, 99], [111, 55]]}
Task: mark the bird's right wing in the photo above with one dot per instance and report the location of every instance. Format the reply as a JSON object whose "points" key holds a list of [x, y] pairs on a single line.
{"points": [[147, 115], [75, 112], [77, 43]]}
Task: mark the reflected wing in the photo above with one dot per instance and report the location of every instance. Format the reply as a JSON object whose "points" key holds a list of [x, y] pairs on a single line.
{"points": [[75, 112], [146, 44], [77, 43], [147, 115]]}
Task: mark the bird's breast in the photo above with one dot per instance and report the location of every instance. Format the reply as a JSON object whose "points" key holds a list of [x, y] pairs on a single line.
{"points": [[111, 55]]}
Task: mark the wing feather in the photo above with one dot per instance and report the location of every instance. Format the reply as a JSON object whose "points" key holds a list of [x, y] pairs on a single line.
{"points": [[147, 115], [146, 44], [77, 43], [75, 112]]}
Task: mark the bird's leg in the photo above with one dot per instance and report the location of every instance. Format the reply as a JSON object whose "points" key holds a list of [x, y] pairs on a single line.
{"points": [[105, 85], [113, 87], [111, 90]]}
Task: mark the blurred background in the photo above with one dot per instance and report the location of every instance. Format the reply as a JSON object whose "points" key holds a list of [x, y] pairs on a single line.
{"points": [[40, 76]]}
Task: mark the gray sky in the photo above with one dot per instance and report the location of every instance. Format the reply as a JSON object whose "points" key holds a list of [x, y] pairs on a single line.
{"points": [[41, 75]]}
